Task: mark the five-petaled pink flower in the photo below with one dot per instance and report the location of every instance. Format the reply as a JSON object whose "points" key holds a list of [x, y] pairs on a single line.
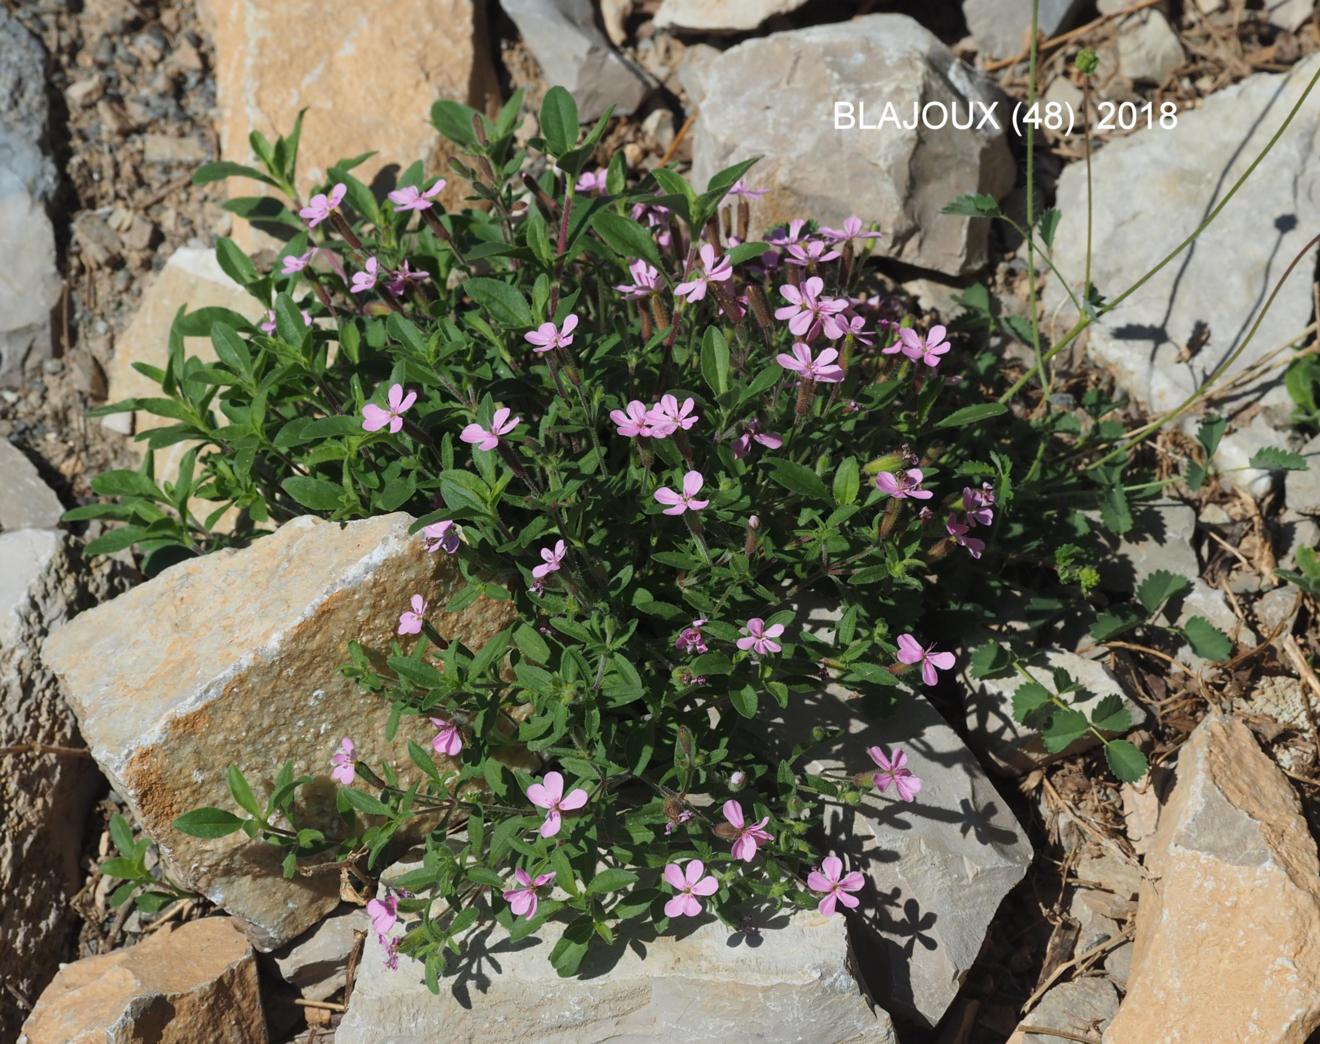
{"points": [[689, 883], [292, 264], [811, 252], [739, 190], [806, 309], [448, 740], [321, 206], [714, 269], [835, 884], [410, 197], [397, 281], [443, 535], [979, 504], [633, 420], [760, 639], [645, 281], [592, 182], [894, 770], [550, 796], [852, 229], [749, 835], [410, 620], [910, 651], [927, 349], [685, 501], [691, 641], [667, 417], [821, 368], [384, 914], [366, 280], [522, 900], [374, 418], [550, 559], [959, 531], [487, 439], [752, 433], [548, 336], [902, 484], [343, 761]]}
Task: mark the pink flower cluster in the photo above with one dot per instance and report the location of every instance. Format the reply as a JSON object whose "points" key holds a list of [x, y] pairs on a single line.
{"points": [[548, 336], [501, 423], [658, 421], [978, 510]]}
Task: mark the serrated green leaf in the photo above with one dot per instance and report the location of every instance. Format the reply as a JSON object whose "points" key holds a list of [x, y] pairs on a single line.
{"points": [[1272, 458], [1126, 762], [502, 300], [1207, 640], [1111, 714], [1159, 587], [1065, 728], [1027, 699]]}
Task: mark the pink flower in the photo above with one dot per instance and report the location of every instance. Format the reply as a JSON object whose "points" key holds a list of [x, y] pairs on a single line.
{"points": [[821, 368], [634, 420], [551, 797], [374, 418], [646, 281], [927, 349], [689, 884], [978, 503], [669, 416], [410, 197], [592, 182], [714, 269], [550, 559], [292, 264], [268, 326], [391, 953], [397, 282], [742, 445], [760, 639], [448, 740], [410, 620], [443, 535], [894, 770], [384, 914], [902, 485], [739, 190], [910, 652], [685, 501], [321, 206], [522, 900], [850, 326], [959, 530], [690, 641], [548, 336], [749, 836], [500, 425], [345, 768], [835, 885], [782, 238], [366, 280], [811, 252], [852, 229], [806, 309], [673, 824]]}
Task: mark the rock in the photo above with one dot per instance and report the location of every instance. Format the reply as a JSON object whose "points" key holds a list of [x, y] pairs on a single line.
{"points": [[1235, 897], [1118, 964], [43, 798], [197, 982], [1274, 608], [721, 16], [1289, 15], [614, 15], [1082, 1006], [166, 148], [367, 77], [1148, 48], [1141, 810], [28, 290], [315, 962], [938, 868], [166, 705], [27, 503], [1002, 28], [1302, 488], [900, 179], [574, 54], [1296, 531], [1166, 181], [1014, 749], [793, 977], [1112, 884]]}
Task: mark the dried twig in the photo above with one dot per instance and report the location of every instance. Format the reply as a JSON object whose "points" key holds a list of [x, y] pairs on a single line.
{"points": [[303, 1002], [1295, 654], [1095, 951], [678, 138], [46, 748]]}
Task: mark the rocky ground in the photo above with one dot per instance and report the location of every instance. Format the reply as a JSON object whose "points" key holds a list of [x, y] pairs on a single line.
{"points": [[1039, 893]]}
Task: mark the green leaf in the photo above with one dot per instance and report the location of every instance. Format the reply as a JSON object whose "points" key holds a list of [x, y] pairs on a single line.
{"points": [[207, 822], [121, 868], [715, 360], [1271, 458], [745, 700], [243, 796], [234, 262], [531, 644], [1111, 714], [230, 350], [977, 206], [1159, 587], [1066, 727], [566, 957], [364, 802], [115, 540], [1207, 640], [1112, 623], [504, 302], [611, 880], [1210, 432], [1028, 698], [121, 833], [559, 120], [1049, 223], [454, 121], [847, 481], [126, 483], [314, 493], [218, 170], [1114, 510], [797, 479], [1126, 762], [626, 237], [972, 414]]}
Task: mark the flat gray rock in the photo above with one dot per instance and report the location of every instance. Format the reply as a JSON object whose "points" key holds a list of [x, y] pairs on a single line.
{"points": [[26, 502], [1002, 28], [1302, 488], [721, 16]]}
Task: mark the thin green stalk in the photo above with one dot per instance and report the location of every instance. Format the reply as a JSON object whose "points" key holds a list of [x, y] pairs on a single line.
{"points": [[1031, 208]]}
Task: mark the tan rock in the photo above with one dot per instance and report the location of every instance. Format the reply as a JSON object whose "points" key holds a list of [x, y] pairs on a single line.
{"points": [[1083, 1007], [367, 75], [195, 983], [1225, 945], [234, 657]]}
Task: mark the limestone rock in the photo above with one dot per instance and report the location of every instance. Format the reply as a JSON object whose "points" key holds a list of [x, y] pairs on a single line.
{"points": [[792, 979], [29, 289], [27, 502], [721, 16], [775, 97], [1302, 488], [574, 54], [1082, 1006], [1151, 190], [938, 868], [316, 961], [1002, 28], [1290, 15], [197, 982], [43, 799], [1148, 48], [1016, 749], [166, 704], [367, 75], [1235, 898]]}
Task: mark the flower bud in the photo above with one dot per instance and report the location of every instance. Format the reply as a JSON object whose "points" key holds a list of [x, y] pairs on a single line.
{"points": [[1087, 61], [737, 781]]}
